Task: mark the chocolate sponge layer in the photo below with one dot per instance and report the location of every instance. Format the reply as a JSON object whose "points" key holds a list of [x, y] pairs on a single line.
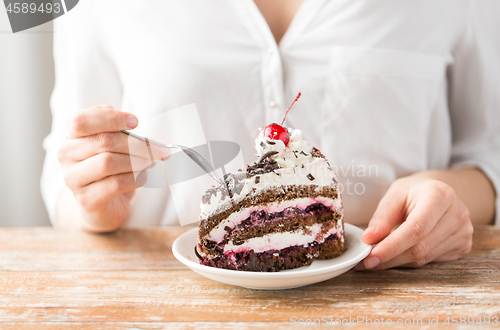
{"points": [[261, 223], [273, 261], [263, 198]]}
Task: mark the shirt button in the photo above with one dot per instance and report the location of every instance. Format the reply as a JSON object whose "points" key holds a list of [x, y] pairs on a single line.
{"points": [[270, 50], [272, 104]]}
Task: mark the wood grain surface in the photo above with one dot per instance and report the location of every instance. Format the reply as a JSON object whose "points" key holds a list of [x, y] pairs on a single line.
{"points": [[52, 279]]}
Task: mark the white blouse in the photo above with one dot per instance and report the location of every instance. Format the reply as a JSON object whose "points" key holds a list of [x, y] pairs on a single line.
{"points": [[389, 87]]}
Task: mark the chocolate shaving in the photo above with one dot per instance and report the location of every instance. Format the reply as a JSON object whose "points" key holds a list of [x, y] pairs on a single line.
{"points": [[271, 142], [310, 177], [267, 166], [303, 153], [295, 154], [267, 155], [228, 229], [262, 145], [229, 183], [257, 179], [208, 244], [316, 153], [238, 242], [302, 166], [208, 195], [196, 253], [233, 184]]}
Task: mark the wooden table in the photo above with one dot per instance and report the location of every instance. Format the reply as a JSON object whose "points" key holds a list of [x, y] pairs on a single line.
{"points": [[52, 279]]}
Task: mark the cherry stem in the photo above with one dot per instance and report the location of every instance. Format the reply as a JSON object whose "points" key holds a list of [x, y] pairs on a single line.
{"points": [[291, 105]]}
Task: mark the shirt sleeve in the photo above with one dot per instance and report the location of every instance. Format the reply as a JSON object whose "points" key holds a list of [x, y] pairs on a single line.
{"points": [[475, 94], [85, 76]]}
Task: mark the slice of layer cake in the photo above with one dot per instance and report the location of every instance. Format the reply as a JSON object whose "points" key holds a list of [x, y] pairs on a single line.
{"points": [[282, 212]]}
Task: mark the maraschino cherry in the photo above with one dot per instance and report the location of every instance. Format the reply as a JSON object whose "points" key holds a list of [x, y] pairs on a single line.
{"points": [[277, 131]]}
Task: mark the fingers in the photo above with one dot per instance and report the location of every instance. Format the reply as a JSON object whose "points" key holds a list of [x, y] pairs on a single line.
{"points": [[389, 213], [97, 195], [98, 163], [431, 246], [451, 248], [361, 265], [79, 149], [99, 120], [100, 166], [439, 246], [430, 205], [464, 243]]}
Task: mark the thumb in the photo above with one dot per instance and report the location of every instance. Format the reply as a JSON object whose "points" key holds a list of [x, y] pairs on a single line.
{"points": [[389, 212]]}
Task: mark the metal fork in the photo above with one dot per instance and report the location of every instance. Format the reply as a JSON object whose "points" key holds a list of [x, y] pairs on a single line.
{"points": [[195, 156]]}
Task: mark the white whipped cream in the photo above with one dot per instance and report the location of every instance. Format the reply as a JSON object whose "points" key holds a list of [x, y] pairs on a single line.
{"points": [[297, 152], [298, 167]]}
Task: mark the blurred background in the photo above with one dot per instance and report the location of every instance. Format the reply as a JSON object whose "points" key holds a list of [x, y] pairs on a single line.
{"points": [[26, 83]]}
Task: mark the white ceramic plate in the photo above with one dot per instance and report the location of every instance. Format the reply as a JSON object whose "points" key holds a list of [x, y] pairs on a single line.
{"points": [[318, 271]]}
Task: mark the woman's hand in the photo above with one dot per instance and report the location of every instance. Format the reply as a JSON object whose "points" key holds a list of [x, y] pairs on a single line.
{"points": [[97, 168], [434, 225]]}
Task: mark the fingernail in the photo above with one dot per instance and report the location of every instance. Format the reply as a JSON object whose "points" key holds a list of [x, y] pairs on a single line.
{"points": [[369, 230], [371, 262], [132, 121], [164, 153], [359, 267]]}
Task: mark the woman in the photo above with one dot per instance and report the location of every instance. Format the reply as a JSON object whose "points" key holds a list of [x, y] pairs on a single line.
{"points": [[407, 88]]}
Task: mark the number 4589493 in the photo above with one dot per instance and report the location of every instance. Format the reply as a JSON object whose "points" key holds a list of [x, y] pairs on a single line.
{"points": [[471, 320], [31, 8]]}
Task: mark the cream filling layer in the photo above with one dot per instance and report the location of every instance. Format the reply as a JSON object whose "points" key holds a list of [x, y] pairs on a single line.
{"points": [[217, 234], [279, 241]]}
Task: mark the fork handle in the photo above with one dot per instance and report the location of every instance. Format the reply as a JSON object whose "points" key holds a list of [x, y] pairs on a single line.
{"points": [[148, 140]]}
